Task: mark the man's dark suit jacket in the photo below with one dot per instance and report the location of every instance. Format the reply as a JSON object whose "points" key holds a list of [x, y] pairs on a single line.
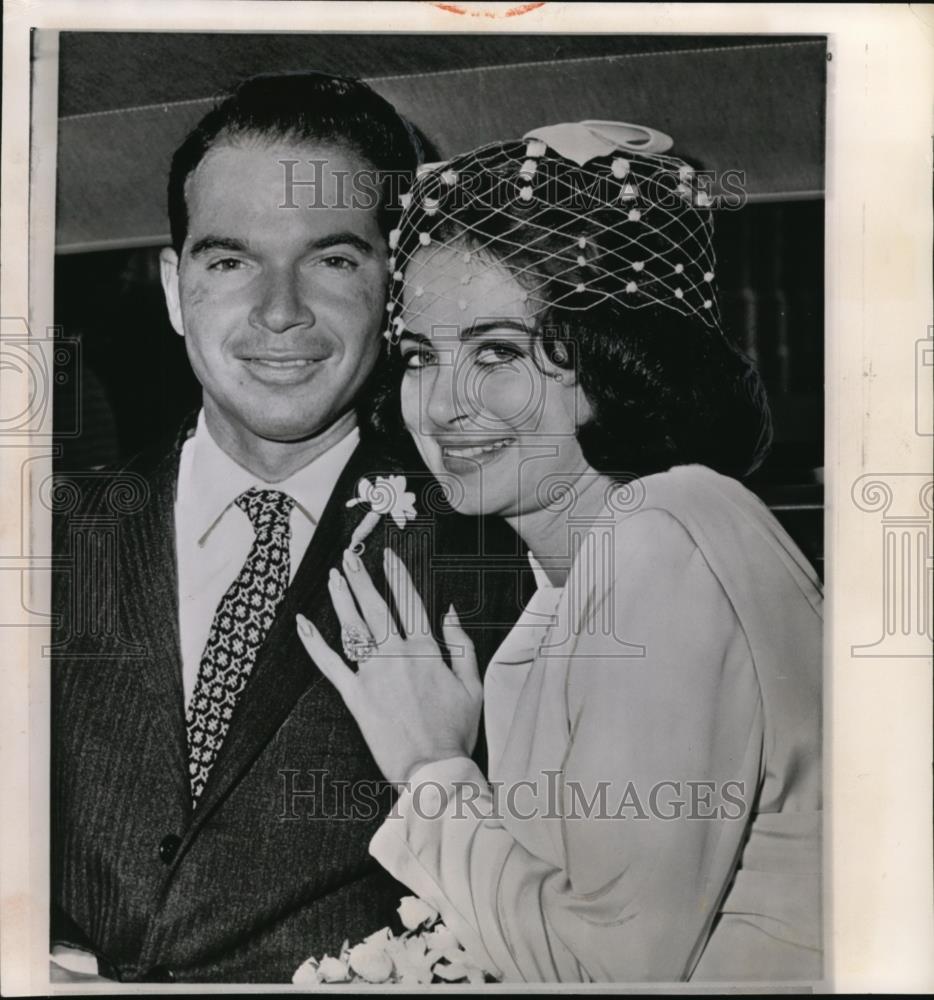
{"points": [[259, 876]]}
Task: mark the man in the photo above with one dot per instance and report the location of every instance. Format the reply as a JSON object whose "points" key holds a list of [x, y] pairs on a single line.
{"points": [[212, 797]]}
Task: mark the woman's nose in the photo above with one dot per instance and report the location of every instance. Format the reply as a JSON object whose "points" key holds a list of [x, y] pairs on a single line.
{"points": [[441, 399], [282, 304]]}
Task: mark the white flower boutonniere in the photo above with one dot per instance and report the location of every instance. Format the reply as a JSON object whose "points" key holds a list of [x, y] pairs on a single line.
{"points": [[387, 495]]}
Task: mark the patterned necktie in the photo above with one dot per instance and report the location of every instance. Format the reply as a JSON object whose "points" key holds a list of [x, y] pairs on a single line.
{"points": [[241, 623]]}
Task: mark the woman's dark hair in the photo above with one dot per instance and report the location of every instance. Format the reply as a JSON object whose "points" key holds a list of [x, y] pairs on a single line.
{"points": [[665, 388], [304, 108]]}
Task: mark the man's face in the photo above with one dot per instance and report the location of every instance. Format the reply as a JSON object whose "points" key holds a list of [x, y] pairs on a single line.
{"points": [[280, 307]]}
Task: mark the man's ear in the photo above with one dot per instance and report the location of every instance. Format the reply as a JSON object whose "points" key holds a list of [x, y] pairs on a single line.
{"points": [[168, 271]]}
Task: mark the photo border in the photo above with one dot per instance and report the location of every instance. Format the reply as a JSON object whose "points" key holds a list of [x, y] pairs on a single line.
{"points": [[879, 915]]}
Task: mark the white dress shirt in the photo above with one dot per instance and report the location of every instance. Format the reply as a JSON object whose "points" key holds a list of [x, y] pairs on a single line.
{"points": [[214, 536]]}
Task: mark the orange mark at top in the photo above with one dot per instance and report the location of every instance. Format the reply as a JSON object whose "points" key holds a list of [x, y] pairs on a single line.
{"points": [[522, 8]]}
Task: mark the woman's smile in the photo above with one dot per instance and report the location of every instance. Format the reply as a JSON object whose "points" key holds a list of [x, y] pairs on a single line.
{"points": [[467, 457]]}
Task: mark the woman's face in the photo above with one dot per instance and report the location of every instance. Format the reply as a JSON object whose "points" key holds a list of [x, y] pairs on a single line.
{"points": [[492, 418]]}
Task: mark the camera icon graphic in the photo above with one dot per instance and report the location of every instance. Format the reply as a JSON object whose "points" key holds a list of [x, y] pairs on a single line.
{"points": [[924, 384], [32, 369]]}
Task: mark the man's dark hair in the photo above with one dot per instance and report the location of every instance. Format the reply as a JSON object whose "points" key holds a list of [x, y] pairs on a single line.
{"points": [[303, 108]]}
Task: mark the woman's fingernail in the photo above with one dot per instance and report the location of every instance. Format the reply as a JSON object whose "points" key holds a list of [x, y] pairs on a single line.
{"points": [[335, 579], [304, 625], [352, 561]]}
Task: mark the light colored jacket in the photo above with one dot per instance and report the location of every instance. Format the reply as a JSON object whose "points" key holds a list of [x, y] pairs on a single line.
{"points": [[683, 661]]}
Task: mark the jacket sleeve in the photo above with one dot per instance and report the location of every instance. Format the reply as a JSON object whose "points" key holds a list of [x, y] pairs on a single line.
{"points": [[656, 790]]}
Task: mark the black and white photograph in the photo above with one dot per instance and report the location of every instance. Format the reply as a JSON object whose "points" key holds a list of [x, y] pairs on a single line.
{"points": [[436, 463], [494, 305]]}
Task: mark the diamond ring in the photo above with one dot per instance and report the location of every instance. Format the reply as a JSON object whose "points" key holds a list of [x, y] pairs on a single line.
{"points": [[359, 645]]}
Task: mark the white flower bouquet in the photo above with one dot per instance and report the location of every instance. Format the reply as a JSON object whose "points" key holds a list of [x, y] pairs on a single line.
{"points": [[426, 952]]}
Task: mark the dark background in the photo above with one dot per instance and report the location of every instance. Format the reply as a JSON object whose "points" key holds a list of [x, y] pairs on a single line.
{"points": [[135, 382]]}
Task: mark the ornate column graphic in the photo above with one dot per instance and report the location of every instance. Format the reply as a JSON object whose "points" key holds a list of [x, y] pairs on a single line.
{"points": [[414, 545], [591, 546], [906, 501], [89, 562]]}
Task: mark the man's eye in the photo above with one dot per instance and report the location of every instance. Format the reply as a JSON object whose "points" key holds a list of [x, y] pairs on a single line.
{"points": [[418, 358], [226, 264], [340, 262]]}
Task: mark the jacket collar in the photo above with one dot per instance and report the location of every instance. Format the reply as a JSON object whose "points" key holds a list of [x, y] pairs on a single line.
{"points": [[283, 672]]}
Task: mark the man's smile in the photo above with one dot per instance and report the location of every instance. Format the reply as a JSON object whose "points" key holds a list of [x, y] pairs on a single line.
{"points": [[281, 370]]}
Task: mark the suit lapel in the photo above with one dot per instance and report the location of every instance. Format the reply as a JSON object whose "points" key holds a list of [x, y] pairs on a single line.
{"points": [[283, 671]]}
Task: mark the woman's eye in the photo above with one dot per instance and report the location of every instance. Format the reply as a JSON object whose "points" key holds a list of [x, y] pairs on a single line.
{"points": [[496, 354], [417, 359]]}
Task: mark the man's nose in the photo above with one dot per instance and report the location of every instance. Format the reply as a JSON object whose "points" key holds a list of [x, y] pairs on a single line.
{"points": [[282, 304]]}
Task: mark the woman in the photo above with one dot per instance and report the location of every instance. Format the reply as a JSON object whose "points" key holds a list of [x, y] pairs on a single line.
{"points": [[652, 810]]}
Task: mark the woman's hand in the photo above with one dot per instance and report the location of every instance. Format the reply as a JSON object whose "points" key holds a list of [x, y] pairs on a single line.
{"points": [[411, 708]]}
